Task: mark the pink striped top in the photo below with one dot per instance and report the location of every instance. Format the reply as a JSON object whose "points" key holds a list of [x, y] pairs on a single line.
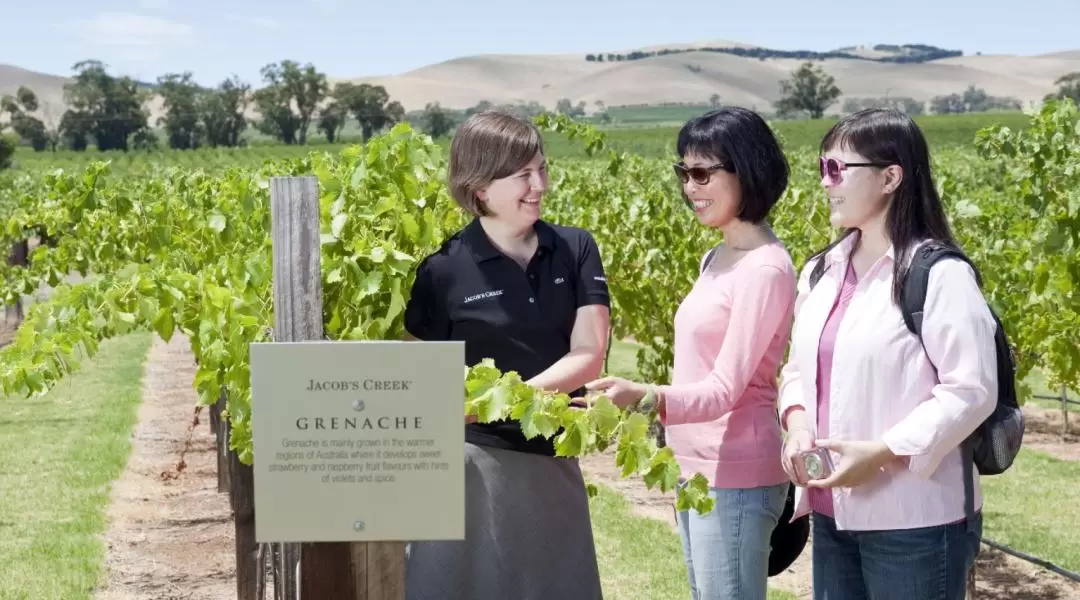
{"points": [[821, 499]]}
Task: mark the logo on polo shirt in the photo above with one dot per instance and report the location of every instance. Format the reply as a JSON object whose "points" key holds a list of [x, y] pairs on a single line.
{"points": [[559, 280], [483, 295]]}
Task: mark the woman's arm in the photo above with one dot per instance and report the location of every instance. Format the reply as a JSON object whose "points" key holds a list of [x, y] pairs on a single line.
{"points": [[791, 404], [958, 334], [585, 360]]}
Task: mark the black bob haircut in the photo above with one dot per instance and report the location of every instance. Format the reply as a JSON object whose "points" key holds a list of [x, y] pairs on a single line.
{"points": [[741, 140]]}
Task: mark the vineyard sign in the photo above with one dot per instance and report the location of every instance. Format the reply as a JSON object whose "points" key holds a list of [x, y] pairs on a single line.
{"points": [[358, 441]]}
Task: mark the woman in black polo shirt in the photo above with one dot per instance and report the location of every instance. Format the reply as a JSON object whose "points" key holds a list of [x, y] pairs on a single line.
{"points": [[532, 296]]}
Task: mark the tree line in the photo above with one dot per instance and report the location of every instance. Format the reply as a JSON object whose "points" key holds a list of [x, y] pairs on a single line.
{"points": [[111, 112], [811, 91], [906, 53]]}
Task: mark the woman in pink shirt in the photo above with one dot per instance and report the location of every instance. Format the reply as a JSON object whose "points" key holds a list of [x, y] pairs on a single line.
{"points": [[889, 410], [731, 330]]}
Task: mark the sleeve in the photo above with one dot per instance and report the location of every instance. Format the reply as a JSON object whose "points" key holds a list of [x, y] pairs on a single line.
{"points": [[761, 310], [426, 317], [958, 334], [592, 287], [791, 392]]}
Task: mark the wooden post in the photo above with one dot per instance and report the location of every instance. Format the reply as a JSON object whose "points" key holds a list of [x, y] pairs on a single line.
{"points": [[224, 467], [242, 499], [373, 571], [19, 257], [1064, 413]]}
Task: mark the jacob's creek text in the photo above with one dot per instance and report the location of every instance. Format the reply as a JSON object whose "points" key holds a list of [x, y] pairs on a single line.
{"points": [[358, 461]]}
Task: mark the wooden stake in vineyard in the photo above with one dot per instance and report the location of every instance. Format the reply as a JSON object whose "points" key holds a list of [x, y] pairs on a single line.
{"points": [[346, 571]]}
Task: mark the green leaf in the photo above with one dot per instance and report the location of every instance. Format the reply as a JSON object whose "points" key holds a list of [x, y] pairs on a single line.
{"points": [[163, 324]]}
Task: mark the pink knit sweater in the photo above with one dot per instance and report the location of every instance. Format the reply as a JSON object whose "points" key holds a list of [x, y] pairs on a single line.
{"points": [[731, 332]]}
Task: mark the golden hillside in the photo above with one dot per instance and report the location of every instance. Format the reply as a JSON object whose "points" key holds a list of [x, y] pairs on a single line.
{"points": [[688, 77]]}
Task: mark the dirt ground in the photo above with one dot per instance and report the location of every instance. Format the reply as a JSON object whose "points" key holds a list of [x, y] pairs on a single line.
{"points": [[171, 534], [1043, 431], [998, 575]]}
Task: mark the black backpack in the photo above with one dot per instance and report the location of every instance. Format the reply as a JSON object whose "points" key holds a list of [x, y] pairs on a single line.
{"points": [[996, 441]]}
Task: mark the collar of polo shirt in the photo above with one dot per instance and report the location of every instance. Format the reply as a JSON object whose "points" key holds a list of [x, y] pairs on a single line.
{"points": [[482, 248]]}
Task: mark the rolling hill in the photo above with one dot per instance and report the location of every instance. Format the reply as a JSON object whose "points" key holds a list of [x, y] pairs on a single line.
{"points": [[690, 74]]}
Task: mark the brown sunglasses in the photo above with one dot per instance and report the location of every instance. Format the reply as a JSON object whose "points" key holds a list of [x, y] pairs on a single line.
{"points": [[700, 175]]}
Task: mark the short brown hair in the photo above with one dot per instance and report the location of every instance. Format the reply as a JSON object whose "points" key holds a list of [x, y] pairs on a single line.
{"points": [[489, 145]]}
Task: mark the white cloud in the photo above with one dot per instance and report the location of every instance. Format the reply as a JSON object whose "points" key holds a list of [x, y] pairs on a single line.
{"points": [[127, 29], [154, 4]]}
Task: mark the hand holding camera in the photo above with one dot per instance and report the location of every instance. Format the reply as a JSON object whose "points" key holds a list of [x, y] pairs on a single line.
{"points": [[809, 462], [799, 441]]}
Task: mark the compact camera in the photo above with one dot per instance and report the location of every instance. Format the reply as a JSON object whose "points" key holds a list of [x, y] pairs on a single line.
{"points": [[813, 464]]}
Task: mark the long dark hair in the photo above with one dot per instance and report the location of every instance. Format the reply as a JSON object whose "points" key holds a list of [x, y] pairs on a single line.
{"points": [[890, 136]]}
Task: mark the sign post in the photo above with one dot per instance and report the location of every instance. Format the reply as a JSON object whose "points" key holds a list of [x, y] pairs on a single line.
{"points": [[359, 446]]}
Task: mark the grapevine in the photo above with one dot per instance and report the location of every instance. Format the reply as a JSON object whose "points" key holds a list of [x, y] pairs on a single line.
{"points": [[186, 249]]}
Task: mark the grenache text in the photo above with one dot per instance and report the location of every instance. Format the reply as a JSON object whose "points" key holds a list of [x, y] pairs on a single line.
{"points": [[358, 423]]}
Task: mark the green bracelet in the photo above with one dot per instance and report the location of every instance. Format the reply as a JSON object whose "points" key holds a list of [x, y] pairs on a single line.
{"points": [[647, 404]]}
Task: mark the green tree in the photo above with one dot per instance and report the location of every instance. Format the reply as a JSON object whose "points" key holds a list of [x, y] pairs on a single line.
{"points": [[7, 148], [108, 109], [1068, 87], [29, 129], [370, 105], [222, 113], [437, 122], [332, 120], [810, 90], [180, 95], [289, 100], [566, 107]]}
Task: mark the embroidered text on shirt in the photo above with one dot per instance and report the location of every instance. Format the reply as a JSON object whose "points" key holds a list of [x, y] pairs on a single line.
{"points": [[490, 294]]}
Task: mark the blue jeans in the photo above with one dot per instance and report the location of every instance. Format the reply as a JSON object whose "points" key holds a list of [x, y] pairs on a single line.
{"points": [[727, 550], [928, 563]]}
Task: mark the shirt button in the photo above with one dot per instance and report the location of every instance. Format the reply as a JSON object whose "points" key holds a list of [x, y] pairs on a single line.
{"points": [[532, 300]]}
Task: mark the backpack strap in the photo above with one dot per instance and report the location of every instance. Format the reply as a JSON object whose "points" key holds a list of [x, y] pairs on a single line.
{"points": [[912, 300], [917, 280], [707, 259], [817, 271]]}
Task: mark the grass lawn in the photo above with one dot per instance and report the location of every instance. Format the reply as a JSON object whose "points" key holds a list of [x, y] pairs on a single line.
{"points": [[60, 454], [1032, 507], [640, 558]]}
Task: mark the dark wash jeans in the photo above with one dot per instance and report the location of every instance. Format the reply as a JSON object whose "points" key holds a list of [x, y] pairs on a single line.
{"points": [[928, 563]]}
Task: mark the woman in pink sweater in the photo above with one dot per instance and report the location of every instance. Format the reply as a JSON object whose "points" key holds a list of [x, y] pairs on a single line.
{"points": [[731, 332]]}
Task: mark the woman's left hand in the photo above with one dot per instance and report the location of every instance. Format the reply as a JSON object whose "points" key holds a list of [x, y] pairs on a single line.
{"points": [[859, 463], [622, 392]]}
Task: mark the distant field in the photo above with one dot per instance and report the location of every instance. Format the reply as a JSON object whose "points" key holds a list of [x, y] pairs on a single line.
{"points": [[653, 115], [940, 130], [643, 140]]}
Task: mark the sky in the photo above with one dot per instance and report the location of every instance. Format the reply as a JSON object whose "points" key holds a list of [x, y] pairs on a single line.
{"points": [[358, 38]]}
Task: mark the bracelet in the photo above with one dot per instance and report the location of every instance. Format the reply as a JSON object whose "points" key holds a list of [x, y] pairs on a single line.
{"points": [[648, 403]]}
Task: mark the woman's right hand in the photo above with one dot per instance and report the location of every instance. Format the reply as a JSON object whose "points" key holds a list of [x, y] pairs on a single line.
{"points": [[799, 440]]}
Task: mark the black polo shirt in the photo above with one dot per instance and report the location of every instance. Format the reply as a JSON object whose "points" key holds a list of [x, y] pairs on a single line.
{"points": [[521, 318]]}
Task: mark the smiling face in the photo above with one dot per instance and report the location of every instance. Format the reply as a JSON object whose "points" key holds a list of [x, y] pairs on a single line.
{"points": [[713, 192], [515, 199], [858, 192]]}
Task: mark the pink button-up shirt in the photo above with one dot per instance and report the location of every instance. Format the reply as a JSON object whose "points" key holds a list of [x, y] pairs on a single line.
{"points": [[884, 387]]}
